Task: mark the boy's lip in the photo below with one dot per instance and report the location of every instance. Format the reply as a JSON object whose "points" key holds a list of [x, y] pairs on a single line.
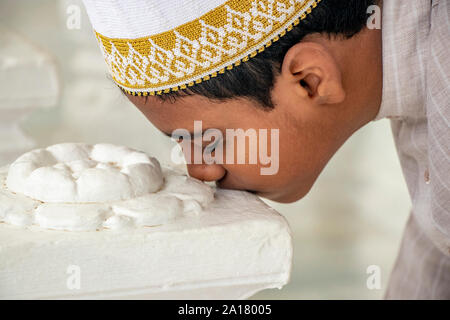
{"points": [[223, 184]]}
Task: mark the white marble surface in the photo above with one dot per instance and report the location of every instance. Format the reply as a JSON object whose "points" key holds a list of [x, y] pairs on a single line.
{"points": [[234, 251], [352, 218]]}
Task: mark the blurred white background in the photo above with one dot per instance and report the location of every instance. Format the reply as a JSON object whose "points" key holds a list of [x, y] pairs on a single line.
{"points": [[351, 219]]}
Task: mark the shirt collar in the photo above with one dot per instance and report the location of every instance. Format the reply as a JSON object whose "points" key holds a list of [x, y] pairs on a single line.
{"points": [[404, 35]]}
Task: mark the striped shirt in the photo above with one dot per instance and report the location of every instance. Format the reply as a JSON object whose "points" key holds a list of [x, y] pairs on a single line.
{"points": [[416, 98]]}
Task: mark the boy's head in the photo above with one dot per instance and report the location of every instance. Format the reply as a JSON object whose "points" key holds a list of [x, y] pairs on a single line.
{"points": [[315, 86]]}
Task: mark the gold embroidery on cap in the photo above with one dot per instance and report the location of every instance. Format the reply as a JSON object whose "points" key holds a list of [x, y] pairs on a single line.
{"points": [[198, 50]]}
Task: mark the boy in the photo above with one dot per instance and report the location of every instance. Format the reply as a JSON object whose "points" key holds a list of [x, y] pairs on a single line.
{"points": [[312, 71]]}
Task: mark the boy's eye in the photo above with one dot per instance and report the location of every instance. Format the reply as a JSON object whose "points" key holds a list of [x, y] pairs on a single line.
{"points": [[177, 139]]}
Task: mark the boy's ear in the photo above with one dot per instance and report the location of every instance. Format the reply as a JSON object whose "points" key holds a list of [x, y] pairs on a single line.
{"points": [[313, 73]]}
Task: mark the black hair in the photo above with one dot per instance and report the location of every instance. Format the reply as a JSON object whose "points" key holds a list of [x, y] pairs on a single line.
{"points": [[255, 78]]}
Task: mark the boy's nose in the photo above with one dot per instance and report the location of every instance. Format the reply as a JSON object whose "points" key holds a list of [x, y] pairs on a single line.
{"points": [[206, 172]]}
